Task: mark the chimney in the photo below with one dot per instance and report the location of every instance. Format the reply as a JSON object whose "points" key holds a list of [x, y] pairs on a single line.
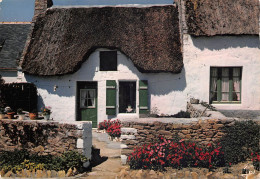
{"points": [[40, 7]]}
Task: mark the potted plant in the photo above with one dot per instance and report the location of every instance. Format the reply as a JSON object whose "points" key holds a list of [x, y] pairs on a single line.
{"points": [[20, 113], [10, 113], [2, 113], [33, 114], [46, 112]]}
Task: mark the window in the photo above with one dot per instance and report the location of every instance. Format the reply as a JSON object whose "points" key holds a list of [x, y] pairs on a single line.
{"points": [[127, 97], [108, 60], [225, 84], [87, 98]]}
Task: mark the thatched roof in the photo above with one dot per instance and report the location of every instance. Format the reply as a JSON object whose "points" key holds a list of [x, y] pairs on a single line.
{"points": [[222, 17], [63, 38]]}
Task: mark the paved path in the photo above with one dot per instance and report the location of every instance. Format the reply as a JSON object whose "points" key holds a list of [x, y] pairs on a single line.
{"points": [[109, 168]]}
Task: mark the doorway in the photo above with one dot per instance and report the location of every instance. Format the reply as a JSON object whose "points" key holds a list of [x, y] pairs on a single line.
{"points": [[87, 102]]}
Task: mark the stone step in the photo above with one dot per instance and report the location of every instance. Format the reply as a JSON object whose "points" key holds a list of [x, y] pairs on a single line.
{"points": [[128, 137], [126, 151], [128, 131]]}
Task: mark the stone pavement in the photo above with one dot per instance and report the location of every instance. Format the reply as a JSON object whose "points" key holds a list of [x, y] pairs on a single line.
{"points": [[110, 149]]}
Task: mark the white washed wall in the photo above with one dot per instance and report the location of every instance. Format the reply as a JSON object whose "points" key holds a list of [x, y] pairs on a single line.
{"points": [[167, 92], [202, 52], [166, 89]]}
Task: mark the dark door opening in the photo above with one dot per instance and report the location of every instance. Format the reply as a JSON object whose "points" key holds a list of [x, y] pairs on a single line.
{"points": [[127, 97]]}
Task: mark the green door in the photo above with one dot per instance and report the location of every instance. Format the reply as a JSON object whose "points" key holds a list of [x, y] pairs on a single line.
{"points": [[87, 102]]}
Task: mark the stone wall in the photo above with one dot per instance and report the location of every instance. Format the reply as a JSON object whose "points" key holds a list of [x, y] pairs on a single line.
{"points": [[46, 137], [202, 130]]}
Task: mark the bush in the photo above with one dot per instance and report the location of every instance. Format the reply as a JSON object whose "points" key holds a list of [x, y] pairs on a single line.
{"points": [[21, 159], [104, 125], [113, 128], [240, 141], [176, 155]]}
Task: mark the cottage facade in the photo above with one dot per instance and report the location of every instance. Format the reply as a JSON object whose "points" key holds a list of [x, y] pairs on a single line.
{"points": [[128, 61]]}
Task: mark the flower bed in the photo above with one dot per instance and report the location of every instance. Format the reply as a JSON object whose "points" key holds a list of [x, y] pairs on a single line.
{"points": [[182, 154], [168, 153], [113, 128]]}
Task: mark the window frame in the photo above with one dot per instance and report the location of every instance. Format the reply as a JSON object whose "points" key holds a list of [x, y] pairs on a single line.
{"points": [[219, 85]]}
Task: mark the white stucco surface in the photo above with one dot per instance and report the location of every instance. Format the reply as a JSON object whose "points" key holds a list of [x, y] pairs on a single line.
{"points": [[201, 53], [165, 89], [168, 92]]}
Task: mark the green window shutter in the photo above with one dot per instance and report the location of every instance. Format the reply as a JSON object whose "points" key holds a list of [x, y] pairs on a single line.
{"points": [[111, 97], [143, 97]]}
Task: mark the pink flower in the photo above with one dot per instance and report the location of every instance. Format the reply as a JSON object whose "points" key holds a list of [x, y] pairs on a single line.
{"points": [[181, 140]]}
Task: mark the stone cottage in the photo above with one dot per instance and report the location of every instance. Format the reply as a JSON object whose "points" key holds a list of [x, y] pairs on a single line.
{"points": [[103, 62]]}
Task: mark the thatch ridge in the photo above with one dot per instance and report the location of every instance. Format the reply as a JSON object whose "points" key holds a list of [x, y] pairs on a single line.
{"points": [[222, 17], [63, 38]]}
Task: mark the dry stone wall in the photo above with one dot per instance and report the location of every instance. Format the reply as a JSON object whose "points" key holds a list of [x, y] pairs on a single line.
{"points": [[45, 137], [203, 131]]}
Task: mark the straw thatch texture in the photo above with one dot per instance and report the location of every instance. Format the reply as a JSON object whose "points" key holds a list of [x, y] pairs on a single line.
{"points": [[63, 38], [222, 17]]}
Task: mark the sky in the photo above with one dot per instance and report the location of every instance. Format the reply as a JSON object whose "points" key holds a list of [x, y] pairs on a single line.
{"points": [[22, 10]]}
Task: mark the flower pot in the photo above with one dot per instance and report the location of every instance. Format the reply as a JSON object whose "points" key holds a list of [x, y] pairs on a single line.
{"points": [[33, 116], [47, 117], [2, 116], [10, 115], [21, 116]]}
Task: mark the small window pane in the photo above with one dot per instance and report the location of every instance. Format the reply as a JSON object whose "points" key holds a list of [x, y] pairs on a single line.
{"points": [[214, 96], [225, 84], [236, 84], [213, 85], [83, 103], [90, 102], [91, 94], [83, 94], [214, 72], [236, 72], [225, 72], [225, 96], [236, 96]]}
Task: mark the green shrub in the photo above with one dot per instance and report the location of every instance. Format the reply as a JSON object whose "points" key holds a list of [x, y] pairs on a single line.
{"points": [[73, 159], [11, 158], [21, 159], [240, 141]]}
